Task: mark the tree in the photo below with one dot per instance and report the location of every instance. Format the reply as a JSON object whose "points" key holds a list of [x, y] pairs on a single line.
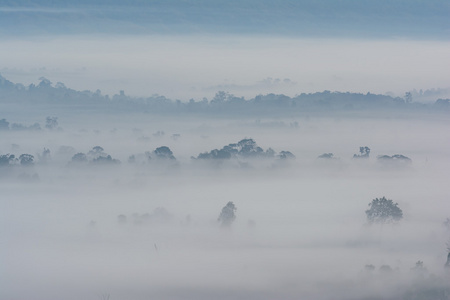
{"points": [[394, 160], [383, 211], [6, 159], [51, 123], [227, 215], [364, 152], [26, 159], [163, 152], [4, 125], [326, 156], [79, 157], [408, 97], [286, 155]]}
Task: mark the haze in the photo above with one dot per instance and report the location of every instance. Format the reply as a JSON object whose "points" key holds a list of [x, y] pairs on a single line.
{"points": [[110, 191], [198, 66]]}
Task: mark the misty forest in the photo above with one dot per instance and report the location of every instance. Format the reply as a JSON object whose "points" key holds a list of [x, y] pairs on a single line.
{"points": [[184, 157]]}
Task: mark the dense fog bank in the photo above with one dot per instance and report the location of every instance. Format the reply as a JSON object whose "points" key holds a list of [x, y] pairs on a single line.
{"points": [[224, 149], [147, 227]]}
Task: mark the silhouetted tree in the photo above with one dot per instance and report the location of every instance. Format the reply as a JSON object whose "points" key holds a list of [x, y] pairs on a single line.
{"points": [[396, 159], [364, 152], [6, 159], [326, 156], [383, 211], [286, 155], [26, 159], [163, 152], [105, 160], [245, 148], [227, 215]]}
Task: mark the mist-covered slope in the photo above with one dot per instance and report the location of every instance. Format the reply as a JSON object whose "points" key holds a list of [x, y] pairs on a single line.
{"points": [[59, 96]]}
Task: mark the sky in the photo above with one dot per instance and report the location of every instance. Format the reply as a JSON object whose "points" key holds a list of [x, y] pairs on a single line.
{"points": [[192, 49]]}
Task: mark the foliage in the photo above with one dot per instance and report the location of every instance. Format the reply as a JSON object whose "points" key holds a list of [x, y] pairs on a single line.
{"points": [[394, 160], [163, 152], [364, 152], [245, 148], [26, 159], [286, 155], [383, 211], [227, 215], [96, 156], [105, 160], [7, 159], [326, 156], [79, 157]]}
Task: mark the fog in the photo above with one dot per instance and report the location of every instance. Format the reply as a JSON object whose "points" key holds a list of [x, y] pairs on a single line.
{"points": [[300, 230], [197, 66], [224, 150]]}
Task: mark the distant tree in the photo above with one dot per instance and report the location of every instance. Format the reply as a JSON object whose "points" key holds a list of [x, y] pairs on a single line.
{"points": [[286, 155], [269, 153], [105, 160], [35, 126], [45, 156], [447, 224], [364, 152], [215, 154], [383, 211], [4, 125], [6, 159], [419, 268], [18, 126], [51, 123], [408, 97], [369, 268], [26, 159], [395, 160], [163, 152], [161, 215], [248, 147], [227, 215], [45, 83], [79, 157], [96, 152], [326, 156], [245, 148], [122, 219], [385, 269]]}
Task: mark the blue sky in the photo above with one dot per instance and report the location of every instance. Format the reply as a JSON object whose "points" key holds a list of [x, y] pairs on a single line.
{"points": [[413, 19]]}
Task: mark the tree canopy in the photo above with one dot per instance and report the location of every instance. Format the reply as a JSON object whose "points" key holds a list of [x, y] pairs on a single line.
{"points": [[383, 211], [227, 215]]}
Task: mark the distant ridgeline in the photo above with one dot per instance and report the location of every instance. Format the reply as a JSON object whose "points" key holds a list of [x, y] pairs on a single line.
{"points": [[46, 93]]}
